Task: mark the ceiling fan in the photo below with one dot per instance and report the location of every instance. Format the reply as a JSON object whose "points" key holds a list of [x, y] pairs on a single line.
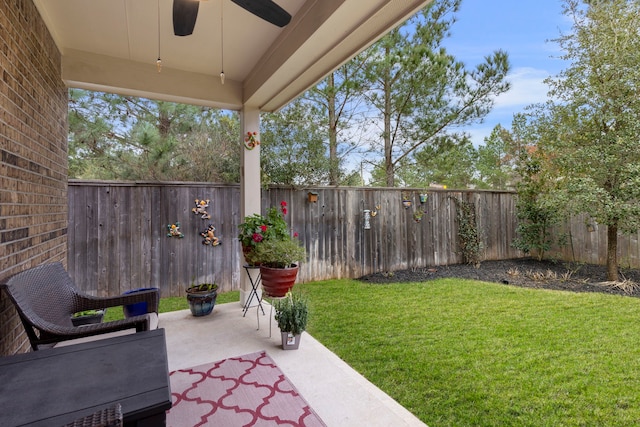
{"points": [[185, 13]]}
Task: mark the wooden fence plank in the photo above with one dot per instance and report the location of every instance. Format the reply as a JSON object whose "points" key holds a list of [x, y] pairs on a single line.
{"points": [[102, 227]]}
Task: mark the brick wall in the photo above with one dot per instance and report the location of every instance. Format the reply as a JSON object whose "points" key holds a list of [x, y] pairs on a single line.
{"points": [[33, 154]]}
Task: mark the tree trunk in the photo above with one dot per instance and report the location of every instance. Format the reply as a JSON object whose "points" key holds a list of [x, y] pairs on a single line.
{"points": [[388, 147], [612, 253], [334, 164]]}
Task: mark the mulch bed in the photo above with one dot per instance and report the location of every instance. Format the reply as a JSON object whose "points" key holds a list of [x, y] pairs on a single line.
{"points": [[525, 272]]}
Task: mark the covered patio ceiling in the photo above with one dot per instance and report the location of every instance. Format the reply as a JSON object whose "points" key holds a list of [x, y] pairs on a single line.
{"points": [[113, 45]]}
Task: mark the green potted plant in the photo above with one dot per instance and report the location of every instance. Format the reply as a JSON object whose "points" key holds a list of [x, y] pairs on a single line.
{"points": [[267, 243], [257, 228], [292, 314], [406, 199], [285, 253], [87, 317], [202, 298]]}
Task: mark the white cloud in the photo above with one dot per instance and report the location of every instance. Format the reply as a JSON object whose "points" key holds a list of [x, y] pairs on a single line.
{"points": [[479, 133], [527, 87]]}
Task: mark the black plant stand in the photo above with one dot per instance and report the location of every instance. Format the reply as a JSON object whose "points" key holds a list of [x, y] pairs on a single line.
{"points": [[255, 284]]}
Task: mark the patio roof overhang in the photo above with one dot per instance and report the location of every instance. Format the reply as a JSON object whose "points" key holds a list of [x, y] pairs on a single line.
{"points": [[112, 46]]}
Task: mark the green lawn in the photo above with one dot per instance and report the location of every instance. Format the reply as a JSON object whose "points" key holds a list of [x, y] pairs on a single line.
{"points": [[466, 353]]}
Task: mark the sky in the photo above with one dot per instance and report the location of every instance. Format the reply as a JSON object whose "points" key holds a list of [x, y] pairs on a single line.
{"points": [[522, 28]]}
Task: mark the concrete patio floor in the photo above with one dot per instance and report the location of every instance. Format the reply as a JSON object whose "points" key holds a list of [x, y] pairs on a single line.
{"points": [[339, 395]]}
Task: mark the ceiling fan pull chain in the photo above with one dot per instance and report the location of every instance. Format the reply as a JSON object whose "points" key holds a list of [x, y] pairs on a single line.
{"points": [[159, 61], [221, 44]]}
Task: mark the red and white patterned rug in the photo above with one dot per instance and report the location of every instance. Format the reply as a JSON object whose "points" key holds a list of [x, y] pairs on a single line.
{"points": [[248, 390]]}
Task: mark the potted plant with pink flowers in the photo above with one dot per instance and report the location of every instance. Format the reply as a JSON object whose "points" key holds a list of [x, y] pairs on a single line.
{"points": [[267, 242]]}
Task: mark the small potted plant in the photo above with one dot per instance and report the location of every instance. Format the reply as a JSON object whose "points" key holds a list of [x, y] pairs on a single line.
{"points": [[406, 199], [257, 228], [279, 265], [87, 317], [202, 298], [292, 314], [280, 253], [267, 243]]}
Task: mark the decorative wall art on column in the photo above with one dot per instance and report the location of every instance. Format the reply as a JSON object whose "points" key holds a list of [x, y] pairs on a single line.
{"points": [[250, 140]]}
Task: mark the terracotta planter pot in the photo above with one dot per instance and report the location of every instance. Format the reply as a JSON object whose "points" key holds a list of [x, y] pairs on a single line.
{"points": [[246, 251], [276, 282]]}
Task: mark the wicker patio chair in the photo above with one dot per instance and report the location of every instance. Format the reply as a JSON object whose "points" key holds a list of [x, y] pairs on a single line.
{"points": [[108, 417], [46, 298]]}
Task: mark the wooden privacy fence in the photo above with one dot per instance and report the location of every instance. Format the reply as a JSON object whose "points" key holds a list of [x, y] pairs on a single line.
{"points": [[118, 233], [587, 243]]}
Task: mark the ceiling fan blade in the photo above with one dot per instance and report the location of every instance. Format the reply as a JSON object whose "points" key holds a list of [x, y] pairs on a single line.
{"points": [[267, 10], [185, 13]]}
